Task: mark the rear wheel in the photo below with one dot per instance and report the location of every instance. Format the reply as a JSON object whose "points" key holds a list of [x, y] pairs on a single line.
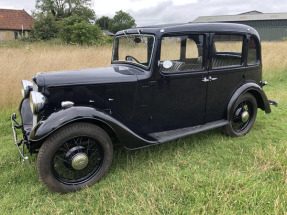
{"points": [[243, 116], [76, 156]]}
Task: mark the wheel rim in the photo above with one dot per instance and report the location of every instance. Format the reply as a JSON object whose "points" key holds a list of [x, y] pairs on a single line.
{"points": [[242, 116], [77, 160]]}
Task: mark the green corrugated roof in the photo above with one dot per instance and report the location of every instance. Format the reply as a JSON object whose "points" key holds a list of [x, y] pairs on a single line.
{"points": [[242, 17]]}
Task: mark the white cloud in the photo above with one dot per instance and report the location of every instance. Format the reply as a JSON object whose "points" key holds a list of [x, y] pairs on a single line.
{"points": [[28, 5], [109, 7], [183, 2]]}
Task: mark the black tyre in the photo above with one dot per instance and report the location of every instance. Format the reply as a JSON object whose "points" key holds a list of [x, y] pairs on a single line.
{"points": [[76, 156], [243, 116]]}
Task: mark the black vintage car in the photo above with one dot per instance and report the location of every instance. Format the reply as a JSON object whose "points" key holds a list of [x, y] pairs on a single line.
{"points": [[163, 84]]}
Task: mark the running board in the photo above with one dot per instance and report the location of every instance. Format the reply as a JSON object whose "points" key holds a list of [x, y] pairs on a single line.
{"points": [[165, 136]]}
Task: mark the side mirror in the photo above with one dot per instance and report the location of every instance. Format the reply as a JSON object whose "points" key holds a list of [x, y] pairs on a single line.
{"points": [[137, 40]]}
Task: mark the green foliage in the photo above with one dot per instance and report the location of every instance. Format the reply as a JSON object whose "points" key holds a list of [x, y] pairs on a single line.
{"points": [[103, 22], [51, 15], [45, 27], [75, 30], [121, 21], [66, 8]]}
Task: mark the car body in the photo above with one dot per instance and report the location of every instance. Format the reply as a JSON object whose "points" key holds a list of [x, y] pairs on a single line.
{"points": [[163, 84]]}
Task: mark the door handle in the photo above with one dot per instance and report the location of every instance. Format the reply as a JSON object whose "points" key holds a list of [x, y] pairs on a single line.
{"points": [[208, 79], [205, 79], [212, 79]]}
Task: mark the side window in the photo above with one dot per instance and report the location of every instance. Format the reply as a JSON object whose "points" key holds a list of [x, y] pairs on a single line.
{"points": [[191, 49], [185, 53], [252, 56], [227, 51], [170, 48]]}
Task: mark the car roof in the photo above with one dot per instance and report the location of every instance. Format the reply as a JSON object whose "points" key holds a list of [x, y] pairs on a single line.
{"points": [[229, 28]]}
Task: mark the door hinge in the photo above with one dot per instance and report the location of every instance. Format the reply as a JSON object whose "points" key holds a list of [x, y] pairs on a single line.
{"points": [[152, 83]]}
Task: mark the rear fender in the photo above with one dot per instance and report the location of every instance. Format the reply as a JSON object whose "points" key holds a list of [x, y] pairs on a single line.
{"points": [[56, 120], [256, 91]]}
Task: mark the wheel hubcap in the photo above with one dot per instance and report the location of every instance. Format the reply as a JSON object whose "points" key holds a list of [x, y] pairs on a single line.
{"points": [[80, 161], [77, 160], [245, 116]]}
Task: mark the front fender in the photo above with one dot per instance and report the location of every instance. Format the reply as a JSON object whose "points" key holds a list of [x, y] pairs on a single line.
{"points": [[256, 91], [56, 120]]}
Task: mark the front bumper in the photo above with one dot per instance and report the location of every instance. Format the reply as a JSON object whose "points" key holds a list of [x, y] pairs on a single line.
{"points": [[23, 142], [25, 128]]}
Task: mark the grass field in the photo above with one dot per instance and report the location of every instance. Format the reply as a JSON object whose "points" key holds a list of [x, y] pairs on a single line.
{"points": [[207, 173]]}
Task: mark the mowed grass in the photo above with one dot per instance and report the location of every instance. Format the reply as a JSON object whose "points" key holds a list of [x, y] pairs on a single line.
{"points": [[207, 173]]}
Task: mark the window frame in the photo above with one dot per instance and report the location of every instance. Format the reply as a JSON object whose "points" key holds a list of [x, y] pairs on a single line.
{"points": [[258, 61], [116, 48], [243, 51]]}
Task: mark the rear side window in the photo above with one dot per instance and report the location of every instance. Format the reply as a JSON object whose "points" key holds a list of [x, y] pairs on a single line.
{"points": [[227, 50], [185, 53], [252, 56]]}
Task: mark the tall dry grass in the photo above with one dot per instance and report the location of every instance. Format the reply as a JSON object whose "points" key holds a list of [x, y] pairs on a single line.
{"points": [[274, 59], [25, 60]]}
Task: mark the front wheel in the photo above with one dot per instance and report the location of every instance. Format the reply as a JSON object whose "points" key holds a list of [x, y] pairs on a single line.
{"points": [[76, 156], [243, 116]]}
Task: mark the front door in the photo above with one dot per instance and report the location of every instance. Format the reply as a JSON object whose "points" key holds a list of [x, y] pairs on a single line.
{"points": [[179, 94]]}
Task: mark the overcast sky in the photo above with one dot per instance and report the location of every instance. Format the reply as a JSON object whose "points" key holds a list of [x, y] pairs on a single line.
{"points": [[150, 12]]}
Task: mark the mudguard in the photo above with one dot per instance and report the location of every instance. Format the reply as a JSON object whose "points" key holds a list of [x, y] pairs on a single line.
{"points": [[256, 91], [53, 122]]}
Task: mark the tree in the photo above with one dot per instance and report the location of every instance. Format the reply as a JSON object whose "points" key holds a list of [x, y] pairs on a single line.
{"points": [[103, 22], [76, 30], [121, 21], [49, 15], [66, 8], [45, 27]]}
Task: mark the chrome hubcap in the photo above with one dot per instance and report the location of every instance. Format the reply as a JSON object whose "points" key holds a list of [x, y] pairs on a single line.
{"points": [[80, 161], [245, 116]]}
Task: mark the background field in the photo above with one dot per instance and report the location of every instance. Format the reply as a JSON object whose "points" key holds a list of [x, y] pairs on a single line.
{"points": [[206, 173]]}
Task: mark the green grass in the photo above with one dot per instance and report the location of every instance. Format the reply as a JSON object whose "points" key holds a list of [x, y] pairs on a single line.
{"points": [[207, 173]]}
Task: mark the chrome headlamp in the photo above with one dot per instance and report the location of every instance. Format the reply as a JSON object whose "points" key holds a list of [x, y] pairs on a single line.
{"points": [[37, 101], [27, 86]]}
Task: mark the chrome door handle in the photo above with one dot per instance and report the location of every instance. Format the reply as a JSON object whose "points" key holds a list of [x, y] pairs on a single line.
{"points": [[205, 79], [212, 79]]}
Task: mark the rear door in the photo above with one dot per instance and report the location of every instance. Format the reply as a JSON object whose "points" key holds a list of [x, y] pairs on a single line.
{"points": [[226, 73]]}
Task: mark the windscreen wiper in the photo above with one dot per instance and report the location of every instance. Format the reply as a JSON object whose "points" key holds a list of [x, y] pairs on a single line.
{"points": [[128, 38], [142, 37]]}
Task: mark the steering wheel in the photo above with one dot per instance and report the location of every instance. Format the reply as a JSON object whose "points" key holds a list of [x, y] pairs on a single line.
{"points": [[130, 58]]}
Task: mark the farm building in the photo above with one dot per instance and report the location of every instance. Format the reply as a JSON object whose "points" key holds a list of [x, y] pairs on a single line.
{"points": [[106, 32], [270, 26], [14, 24]]}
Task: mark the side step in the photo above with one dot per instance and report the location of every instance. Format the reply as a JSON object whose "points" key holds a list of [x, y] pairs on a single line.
{"points": [[165, 136]]}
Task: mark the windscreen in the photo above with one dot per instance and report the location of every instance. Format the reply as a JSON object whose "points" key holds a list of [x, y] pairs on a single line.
{"points": [[134, 49]]}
